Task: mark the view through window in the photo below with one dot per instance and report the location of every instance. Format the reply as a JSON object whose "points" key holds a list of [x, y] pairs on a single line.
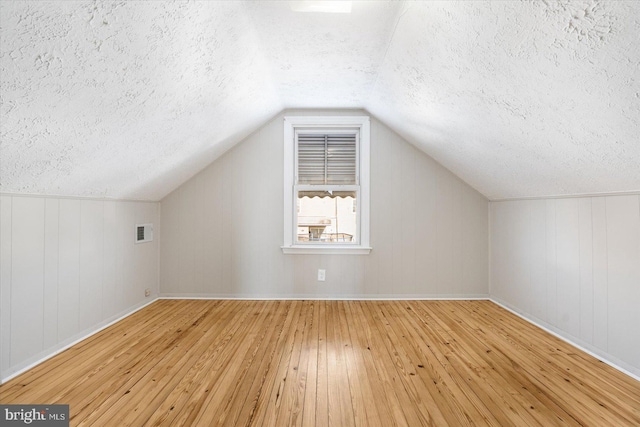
{"points": [[327, 186]]}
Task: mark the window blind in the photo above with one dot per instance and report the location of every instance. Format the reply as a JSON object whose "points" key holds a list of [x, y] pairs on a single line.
{"points": [[327, 158]]}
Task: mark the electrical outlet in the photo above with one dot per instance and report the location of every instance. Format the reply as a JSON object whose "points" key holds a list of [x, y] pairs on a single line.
{"points": [[147, 292], [321, 275]]}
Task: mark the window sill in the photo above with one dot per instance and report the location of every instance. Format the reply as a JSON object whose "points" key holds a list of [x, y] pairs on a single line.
{"points": [[325, 250]]}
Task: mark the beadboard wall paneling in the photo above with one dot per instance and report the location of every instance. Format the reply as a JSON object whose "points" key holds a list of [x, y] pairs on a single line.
{"points": [[27, 278], [68, 267], [222, 230], [623, 285], [573, 265], [6, 206]]}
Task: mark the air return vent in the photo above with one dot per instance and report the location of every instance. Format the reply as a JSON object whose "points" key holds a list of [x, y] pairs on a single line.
{"points": [[144, 233]]}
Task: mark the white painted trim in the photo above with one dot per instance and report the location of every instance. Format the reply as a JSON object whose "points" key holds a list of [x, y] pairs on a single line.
{"points": [[158, 251], [569, 196], [598, 354], [489, 249], [62, 347], [326, 250], [98, 199], [289, 165], [363, 123], [365, 183], [291, 297]]}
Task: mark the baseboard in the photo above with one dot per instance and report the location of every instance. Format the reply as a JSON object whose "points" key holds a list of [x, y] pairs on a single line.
{"points": [[355, 297], [598, 354], [64, 345]]}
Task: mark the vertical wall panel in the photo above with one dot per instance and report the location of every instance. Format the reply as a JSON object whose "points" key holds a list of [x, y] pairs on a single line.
{"points": [[111, 282], [183, 260], [130, 290], [170, 271], [520, 255], [91, 262], [51, 261], [382, 207], [498, 246], [124, 257], [623, 243], [475, 217], [406, 233], [200, 238], [211, 251], [68, 269], [27, 278], [586, 270], [5, 282], [538, 258], [457, 237], [568, 259], [509, 284], [552, 267], [425, 227], [600, 268], [444, 233], [228, 221]]}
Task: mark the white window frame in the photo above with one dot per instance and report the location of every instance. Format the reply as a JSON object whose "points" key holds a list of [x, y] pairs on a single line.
{"points": [[291, 123]]}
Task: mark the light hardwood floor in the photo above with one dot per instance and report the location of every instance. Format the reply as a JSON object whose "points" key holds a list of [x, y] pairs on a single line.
{"points": [[328, 363]]}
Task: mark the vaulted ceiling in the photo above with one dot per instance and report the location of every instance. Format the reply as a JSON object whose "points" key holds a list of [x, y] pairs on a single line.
{"points": [[128, 99]]}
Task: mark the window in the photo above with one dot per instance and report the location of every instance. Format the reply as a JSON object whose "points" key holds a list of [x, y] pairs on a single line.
{"points": [[326, 185]]}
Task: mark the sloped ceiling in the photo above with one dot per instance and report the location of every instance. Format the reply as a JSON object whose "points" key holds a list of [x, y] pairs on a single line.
{"points": [[128, 99]]}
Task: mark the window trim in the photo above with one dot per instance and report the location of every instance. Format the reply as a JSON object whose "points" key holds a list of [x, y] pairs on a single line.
{"points": [[291, 123]]}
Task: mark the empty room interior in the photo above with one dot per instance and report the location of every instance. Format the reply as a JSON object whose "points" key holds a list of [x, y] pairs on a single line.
{"points": [[320, 213]]}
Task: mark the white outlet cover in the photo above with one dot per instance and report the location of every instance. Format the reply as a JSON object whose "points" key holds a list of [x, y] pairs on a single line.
{"points": [[321, 275]]}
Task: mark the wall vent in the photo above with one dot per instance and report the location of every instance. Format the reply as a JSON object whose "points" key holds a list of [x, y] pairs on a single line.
{"points": [[144, 233]]}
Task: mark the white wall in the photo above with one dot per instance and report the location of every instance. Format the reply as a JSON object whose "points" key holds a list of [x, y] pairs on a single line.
{"points": [[222, 230], [67, 267], [573, 265]]}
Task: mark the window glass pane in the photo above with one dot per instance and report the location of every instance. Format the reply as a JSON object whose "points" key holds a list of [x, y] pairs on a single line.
{"points": [[327, 217]]}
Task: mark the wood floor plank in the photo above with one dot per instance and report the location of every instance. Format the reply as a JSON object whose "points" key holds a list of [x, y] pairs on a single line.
{"points": [[374, 411], [322, 378], [325, 363], [394, 370], [339, 376], [388, 407], [288, 405], [270, 402], [311, 375], [259, 372]]}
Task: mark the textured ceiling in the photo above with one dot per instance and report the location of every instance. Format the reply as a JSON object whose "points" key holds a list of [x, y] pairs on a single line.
{"points": [[130, 99]]}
